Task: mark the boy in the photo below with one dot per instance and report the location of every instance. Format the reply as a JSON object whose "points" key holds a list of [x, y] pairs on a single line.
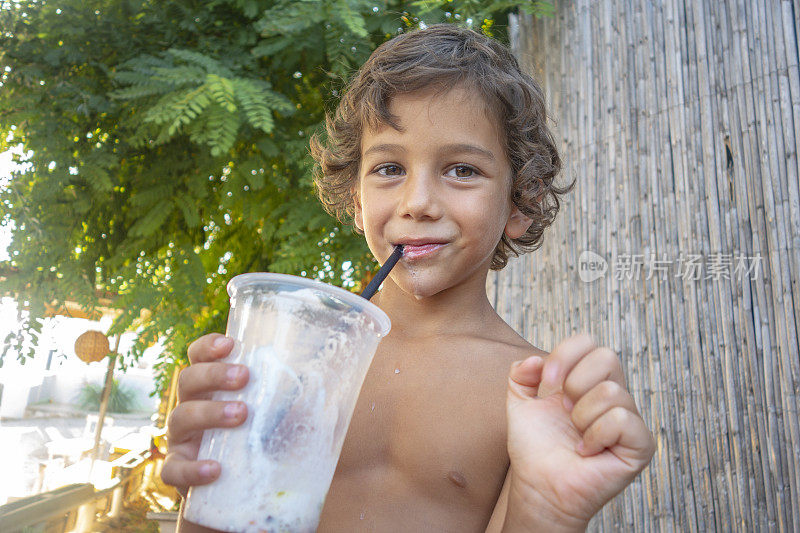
{"points": [[440, 144]]}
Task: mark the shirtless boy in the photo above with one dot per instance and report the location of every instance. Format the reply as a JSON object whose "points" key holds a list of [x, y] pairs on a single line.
{"points": [[441, 144]]}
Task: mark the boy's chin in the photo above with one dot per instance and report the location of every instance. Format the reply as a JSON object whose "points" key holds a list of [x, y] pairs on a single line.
{"points": [[418, 284], [422, 293]]}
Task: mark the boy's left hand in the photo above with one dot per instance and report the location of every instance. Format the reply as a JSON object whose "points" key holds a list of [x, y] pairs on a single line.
{"points": [[575, 436]]}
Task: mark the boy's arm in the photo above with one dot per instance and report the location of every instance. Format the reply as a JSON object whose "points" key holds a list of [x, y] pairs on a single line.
{"points": [[522, 518]]}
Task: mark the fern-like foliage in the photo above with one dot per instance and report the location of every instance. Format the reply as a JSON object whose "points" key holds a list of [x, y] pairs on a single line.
{"points": [[192, 94]]}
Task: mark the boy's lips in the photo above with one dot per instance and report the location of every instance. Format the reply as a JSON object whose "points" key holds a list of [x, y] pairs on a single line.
{"points": [[415, 250]]}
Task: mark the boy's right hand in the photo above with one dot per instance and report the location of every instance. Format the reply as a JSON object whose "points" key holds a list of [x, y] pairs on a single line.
{"points": [[196, 411]]}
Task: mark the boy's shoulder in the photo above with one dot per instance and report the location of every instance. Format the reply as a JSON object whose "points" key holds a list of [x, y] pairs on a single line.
{"points": [[502, 341], [484, 354]]}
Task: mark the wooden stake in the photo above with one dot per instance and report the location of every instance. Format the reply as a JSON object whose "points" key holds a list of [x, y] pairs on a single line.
{"points": [[112, 361]]}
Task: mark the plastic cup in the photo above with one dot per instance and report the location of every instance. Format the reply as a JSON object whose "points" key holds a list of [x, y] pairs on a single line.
{"points": [[308, 346]]}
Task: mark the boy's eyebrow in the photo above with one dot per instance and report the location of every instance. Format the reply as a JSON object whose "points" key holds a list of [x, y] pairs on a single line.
{"points": [[455, 147], [383, 148], [469, 148]]}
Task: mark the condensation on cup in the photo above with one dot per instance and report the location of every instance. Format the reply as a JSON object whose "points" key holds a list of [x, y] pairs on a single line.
{"points": [[308, 346]]}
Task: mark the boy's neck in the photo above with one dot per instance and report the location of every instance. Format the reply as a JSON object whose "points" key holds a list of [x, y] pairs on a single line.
{"points": [[463, 309]]}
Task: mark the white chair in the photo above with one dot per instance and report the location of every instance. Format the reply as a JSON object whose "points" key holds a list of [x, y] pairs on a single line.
{"points": [[68, 448], [72, 449]]}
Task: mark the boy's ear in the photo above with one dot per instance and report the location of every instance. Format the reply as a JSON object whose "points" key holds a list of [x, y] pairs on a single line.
{"points": [[517, 223], [358, 218]]}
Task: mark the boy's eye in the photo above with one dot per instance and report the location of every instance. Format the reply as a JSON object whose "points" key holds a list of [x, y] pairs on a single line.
{"points": [[463, 172], [389, 170]]}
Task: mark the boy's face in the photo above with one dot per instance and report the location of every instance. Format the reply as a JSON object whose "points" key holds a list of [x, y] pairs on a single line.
{"points": [[441, 187]]}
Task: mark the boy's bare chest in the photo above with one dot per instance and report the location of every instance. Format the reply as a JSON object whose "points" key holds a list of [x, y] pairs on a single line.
{"points": [[426, 445]]}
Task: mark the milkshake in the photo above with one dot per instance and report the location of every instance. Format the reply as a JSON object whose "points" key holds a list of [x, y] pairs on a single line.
{"points": [[308, 347]]}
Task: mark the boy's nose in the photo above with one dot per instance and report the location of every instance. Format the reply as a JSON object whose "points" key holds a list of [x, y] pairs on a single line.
{"points": [[420, 197]]}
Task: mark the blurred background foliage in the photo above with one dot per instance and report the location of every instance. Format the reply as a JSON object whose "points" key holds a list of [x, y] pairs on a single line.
{"points": [[121, 399], [165, 149]]}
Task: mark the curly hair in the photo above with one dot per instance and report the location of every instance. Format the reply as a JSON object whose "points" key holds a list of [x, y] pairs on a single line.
{"points": [[442, 56]]}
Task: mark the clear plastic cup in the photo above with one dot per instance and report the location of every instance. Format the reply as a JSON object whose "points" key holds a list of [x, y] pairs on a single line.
{"points": [[308, 346]]}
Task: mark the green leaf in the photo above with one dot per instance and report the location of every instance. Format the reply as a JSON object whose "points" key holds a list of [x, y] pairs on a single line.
{"points": [[189, 209], [352, 20], [152, 221], [267, 147]]}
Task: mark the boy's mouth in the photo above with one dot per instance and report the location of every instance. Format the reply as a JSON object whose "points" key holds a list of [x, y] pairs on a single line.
{"points": [[419, 249]]}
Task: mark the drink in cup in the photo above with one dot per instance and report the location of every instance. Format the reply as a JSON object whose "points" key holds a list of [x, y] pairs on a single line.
{"points": [[308, 346]]}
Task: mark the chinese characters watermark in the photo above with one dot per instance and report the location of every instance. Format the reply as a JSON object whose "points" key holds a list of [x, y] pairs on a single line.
{"points": [[627, 266]]}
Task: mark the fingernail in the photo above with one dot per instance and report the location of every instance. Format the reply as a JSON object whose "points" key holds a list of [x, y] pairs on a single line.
{"points": [[234, 373], [207, 470], [534, 360], [221, 342], [232, 410]]}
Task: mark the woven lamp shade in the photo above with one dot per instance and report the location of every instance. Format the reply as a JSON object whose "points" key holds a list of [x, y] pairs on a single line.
{"points": [[91, 346]]}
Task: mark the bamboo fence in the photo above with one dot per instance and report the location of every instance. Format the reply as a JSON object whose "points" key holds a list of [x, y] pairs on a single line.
{"points": [[680, 120]]}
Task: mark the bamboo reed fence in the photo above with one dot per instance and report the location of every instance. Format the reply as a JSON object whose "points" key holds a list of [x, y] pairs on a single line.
{"points": [[680, 120]]}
